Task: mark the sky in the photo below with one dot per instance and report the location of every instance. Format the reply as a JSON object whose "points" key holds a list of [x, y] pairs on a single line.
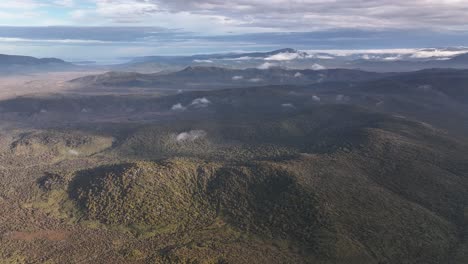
{"points": [[106, 30]]}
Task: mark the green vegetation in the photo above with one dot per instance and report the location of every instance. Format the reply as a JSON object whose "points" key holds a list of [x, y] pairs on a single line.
{"points": [[244, 180], [144, 194]]}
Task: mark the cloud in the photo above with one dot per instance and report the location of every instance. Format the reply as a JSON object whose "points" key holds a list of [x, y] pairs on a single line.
{"points": [[64, 3], [393, 54], [285, 56], [317, 67], [237, 78], [203, 61], [103, 34], [256, 80], [429, 53], [118, 11], [178, 107], [19, 4], [394, 58], [54, 41], [316, 98], [301, 14], [105, 43], [267, 65], [342, 98], [243, 58], [190, 136], [263, 16], [200, 102], [298, 75], [287, 105]]}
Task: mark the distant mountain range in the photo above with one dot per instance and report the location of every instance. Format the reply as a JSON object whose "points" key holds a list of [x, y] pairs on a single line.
{"points": [[9, 60], [367, 60], [371, 60], [11, 64], [203, 78]]}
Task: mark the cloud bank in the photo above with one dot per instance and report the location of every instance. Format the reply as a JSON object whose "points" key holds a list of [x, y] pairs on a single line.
{"points": [[151, 27]]}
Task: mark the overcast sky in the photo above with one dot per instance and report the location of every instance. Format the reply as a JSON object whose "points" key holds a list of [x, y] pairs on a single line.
{"points": [[106, 29]]}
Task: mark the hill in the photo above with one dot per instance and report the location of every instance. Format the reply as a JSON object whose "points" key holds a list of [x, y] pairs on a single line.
{"points": [[8, 60], [205, 78], [11, 64], [369, 171], [344, 192]]}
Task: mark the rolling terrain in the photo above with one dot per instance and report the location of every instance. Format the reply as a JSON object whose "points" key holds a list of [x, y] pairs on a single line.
{"points": [[359, 167], [15, 64], [208, 78]]}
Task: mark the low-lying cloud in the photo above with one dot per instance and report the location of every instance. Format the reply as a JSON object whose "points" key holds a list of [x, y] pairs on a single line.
{"points": [[288, 105], [256, 80], [200, 102], [178, 107], [317, 67], [190, 136], [203, 61], [286, 56], [267, 65]]}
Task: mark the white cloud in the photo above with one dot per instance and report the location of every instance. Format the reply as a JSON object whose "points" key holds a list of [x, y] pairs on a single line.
{"points": [[256, 80], [243, 58], [267, 65], [203, 61], [429, 53], [317, 67], [285, 56], [20, 4], [316, 98], [317, 14], [56, 41], [237, 78], [178, 107], [393, 54], [287, 105], [125, 8], [190, 135], [298, 75], [392, 58], [200, 102], [324, 57], [242, 16], [65, 3]]}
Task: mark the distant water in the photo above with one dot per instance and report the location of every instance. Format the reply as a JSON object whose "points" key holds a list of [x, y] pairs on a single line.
{"points": [[99, 62]]}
